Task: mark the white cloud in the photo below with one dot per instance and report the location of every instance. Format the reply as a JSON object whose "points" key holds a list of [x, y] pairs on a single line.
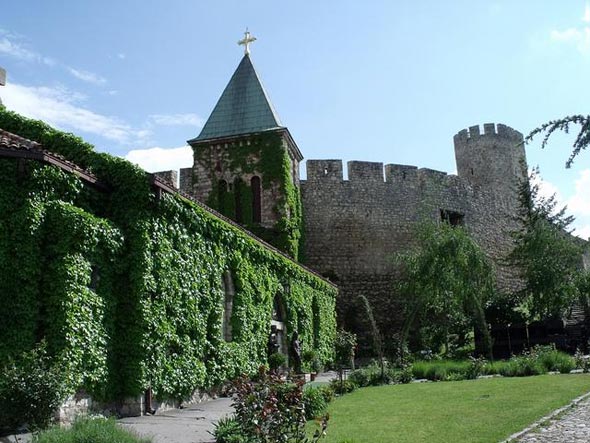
{"points": [[58, 107], [578, 204], [578, 37], [20, 52], [11, 44], [86, 76], [580, 201], [121, 56], [177, 120], [547, 189], [162, 159]]}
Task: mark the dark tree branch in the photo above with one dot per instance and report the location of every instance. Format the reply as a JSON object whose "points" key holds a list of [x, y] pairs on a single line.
{"points": [[581, 142]]}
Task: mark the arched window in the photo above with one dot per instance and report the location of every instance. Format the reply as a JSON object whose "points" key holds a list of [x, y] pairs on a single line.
{"points": [[238, 196], [256, 202]]}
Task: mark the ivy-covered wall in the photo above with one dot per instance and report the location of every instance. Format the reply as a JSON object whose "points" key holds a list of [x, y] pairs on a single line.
{"points": [[127, 288], [266, 156]]}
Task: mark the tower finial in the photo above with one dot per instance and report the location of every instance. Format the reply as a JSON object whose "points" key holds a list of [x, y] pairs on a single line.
{"points": [[248, 38]]}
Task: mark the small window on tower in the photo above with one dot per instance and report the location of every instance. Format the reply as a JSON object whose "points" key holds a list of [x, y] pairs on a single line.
{"points": [[451, 217]]}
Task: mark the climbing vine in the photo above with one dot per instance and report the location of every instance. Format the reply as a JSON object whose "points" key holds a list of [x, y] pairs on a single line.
{"points": [[128, 288]]}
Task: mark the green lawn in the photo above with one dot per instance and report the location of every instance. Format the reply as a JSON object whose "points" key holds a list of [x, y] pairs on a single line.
{"points": [[465, 411]]}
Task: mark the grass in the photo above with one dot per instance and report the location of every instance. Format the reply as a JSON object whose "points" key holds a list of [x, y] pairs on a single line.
{"points": [[474, 411], [89, 431]]}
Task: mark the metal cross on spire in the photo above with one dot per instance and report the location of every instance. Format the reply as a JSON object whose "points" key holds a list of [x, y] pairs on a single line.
{"points": [[248, 38]]}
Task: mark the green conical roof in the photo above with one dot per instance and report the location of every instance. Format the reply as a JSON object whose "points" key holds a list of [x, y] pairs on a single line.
{"points": [[243, 108]]}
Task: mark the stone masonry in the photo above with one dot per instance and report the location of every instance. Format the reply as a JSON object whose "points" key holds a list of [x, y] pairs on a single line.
{"points": [[354, 227]]}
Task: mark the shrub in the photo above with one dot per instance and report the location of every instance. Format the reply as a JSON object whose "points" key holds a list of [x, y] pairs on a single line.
{"points": [[270, 409], [441, 370], [360, 377], [276, 360], [404, 375], [492, 367], [476, 367], [228, 430], [90, 430], [31, 388], [372, 375], [327, 392], [522, 366], [314, 402], [341, 387], [553, 360]]}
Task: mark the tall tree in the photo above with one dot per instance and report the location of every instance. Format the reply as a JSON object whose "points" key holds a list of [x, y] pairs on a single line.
{"points": [[449, 277], [546, 254]]}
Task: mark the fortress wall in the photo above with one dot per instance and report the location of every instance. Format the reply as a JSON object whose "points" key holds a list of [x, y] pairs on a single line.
{"points": [[354, 227]]}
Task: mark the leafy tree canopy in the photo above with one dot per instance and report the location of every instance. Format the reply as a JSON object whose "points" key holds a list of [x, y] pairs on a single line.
{"points": [[547, 256], [449, 277]]}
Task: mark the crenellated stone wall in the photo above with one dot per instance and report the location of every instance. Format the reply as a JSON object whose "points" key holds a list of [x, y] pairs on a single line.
{"points": [[354, 227]]}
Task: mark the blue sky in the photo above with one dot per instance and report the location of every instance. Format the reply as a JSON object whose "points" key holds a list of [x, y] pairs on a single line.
{"points": [[375, 80]]}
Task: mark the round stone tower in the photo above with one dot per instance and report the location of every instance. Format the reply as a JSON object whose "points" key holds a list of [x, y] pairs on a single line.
{"points": [[494, 160]]}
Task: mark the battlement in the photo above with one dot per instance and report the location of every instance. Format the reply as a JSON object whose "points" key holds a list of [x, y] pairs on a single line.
{"points": [[489, 130], [324, 169], [427, 173], [395, 173], [365, 171], [370, 172]]}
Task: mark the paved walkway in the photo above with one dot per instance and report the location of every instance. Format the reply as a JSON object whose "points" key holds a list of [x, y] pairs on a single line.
{"points": [[573, 426], [188, 425], [192, 424]]}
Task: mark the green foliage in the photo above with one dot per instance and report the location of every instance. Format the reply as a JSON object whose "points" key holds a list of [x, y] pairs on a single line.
{"points": [[341, 387], [345, 345], [276, 360], [446, 283], [405, 375], [581, 142], [90, 430], [270, 409], [553, 360], [538, 360], [547, 257], [314, 402], [128, 288], [31, 388], [374, 375], [228, 430]]}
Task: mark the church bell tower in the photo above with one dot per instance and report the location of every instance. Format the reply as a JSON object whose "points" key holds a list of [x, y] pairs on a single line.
{"points": [[246, 164]]}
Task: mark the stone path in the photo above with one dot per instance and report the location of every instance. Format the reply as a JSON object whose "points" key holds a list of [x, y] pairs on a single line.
{"points": [[572, 426], [188, 425], [192, 424]]}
